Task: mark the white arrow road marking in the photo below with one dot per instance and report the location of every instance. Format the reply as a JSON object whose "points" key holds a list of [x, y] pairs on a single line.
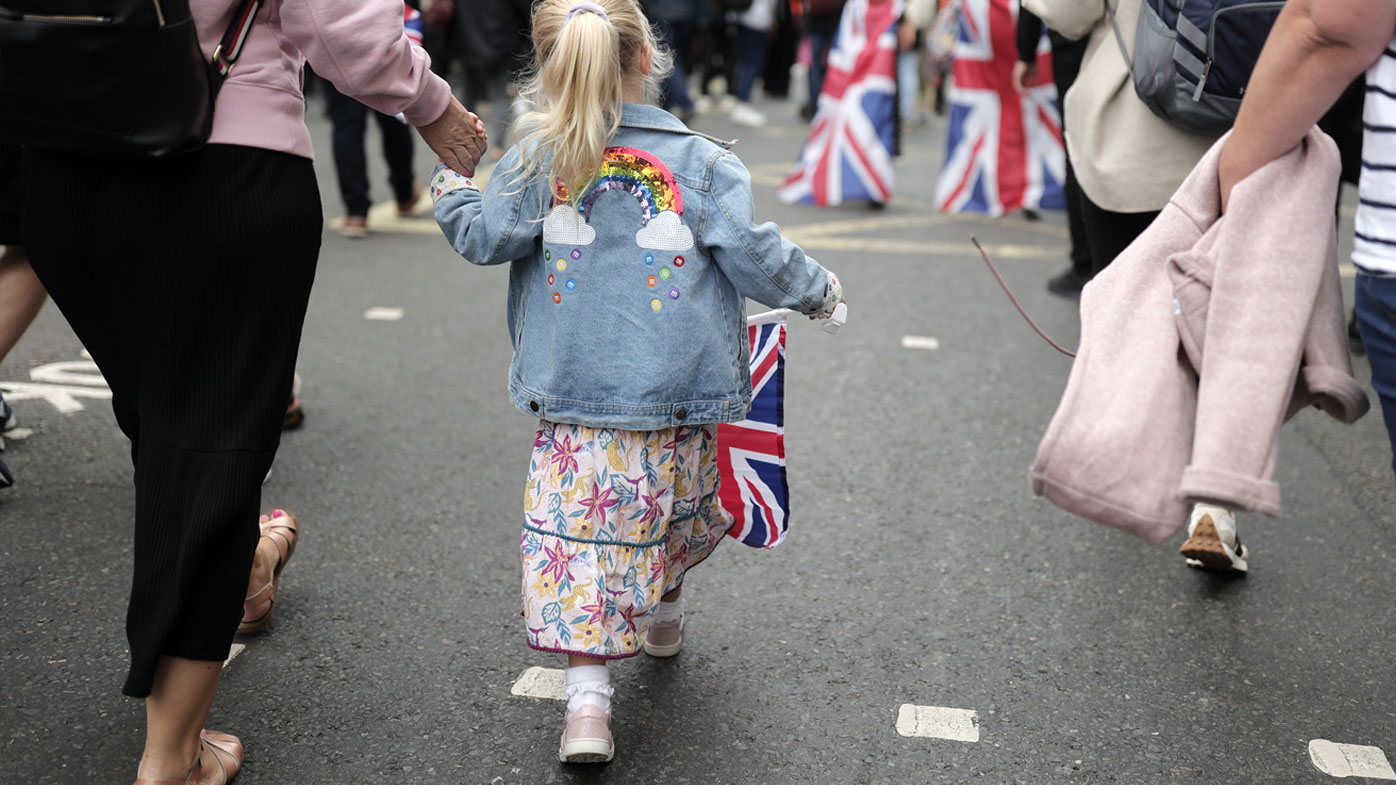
{"points": [[536, 682], [63, 397], [1350, 760], [69, 372], [936, 722]]}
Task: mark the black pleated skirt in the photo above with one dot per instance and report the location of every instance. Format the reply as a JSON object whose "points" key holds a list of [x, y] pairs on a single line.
{"points": [[187, 280]]}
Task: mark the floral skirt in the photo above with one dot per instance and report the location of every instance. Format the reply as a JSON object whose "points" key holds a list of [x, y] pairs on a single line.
{"points": [[612, 520]]}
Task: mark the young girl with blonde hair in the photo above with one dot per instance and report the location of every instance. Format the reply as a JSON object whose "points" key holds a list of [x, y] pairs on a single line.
{"points": [[632, 249]]}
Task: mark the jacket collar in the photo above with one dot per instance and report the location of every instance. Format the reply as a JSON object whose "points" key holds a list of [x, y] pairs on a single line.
{"points": [[655, 119]]}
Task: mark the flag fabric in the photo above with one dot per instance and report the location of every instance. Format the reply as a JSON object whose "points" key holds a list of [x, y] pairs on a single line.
{"points": [[1004, 150], [751, 453], [412, 24], [848, 156]]}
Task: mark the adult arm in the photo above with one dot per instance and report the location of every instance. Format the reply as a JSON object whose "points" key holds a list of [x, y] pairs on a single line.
{"points": [[1029, 36], [1315, 50], [1071, 18], [361, 47]]}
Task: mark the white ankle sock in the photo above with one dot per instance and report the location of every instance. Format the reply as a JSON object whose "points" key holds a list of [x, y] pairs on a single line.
{"points": [[669, 611], [589, 684]]}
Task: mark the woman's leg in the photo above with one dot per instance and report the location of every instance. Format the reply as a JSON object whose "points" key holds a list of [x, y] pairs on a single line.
{"points": [[175, 712], [21, 296]]}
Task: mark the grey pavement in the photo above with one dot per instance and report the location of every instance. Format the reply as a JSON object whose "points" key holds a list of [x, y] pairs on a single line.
{"points": [[920, 570]]}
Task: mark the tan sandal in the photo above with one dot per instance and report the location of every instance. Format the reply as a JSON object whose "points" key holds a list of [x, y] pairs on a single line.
{"points": [[281, 527], [224, 749]]}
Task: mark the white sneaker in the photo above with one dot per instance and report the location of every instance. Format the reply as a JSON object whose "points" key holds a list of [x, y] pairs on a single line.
{"points": [[1212, 540], [726, 102], [702, 105], [744, 114]]}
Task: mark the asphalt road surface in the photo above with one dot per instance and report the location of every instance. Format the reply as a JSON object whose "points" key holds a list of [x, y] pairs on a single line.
{"points": [[927, 621]]}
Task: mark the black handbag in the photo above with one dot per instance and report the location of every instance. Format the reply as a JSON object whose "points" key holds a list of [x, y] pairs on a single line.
{"points": [[113, 78]]}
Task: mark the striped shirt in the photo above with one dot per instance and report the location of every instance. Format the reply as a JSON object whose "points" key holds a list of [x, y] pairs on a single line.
{"points": [[1374, 243]]}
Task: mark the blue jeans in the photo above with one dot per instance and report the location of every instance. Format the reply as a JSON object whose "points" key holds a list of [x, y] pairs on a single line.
{"points": [[819, 46], [751, 59], [1376, 320], [674, 35]]}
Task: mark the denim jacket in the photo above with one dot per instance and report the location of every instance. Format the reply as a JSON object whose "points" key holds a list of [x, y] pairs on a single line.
{"points": [[629, 311]]}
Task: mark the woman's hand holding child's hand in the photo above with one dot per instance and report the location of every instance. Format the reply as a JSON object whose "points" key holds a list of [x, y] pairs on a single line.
{"points": [[457, 137]]}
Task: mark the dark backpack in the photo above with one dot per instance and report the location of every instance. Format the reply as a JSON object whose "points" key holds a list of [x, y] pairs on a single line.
{"points": [[1193, 58], [114, 78], [824, 7]]}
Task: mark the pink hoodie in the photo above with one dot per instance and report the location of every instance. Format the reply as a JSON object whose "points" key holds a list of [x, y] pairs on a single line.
{"points": [[359, 45]]}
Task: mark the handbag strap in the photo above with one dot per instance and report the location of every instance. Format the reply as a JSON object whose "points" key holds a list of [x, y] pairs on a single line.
{"points": [[230, 47]]}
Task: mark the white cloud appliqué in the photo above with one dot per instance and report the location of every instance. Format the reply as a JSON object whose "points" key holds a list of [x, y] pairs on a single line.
{"points": [[564, 226], [665, 232]]}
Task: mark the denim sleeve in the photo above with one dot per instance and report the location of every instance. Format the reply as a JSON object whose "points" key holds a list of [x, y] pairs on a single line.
{"points": [[500, 225], [761, 263]]}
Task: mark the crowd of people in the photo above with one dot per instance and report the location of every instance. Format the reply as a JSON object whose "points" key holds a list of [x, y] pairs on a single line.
{"points": [[589, 168]]}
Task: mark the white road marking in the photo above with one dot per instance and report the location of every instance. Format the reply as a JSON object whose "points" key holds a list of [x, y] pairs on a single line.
{"points": [[63, 397], [69, 372], [536, 682], [382, 314], [920, 342], [1350, 760], [935, 722], [234, 652]]}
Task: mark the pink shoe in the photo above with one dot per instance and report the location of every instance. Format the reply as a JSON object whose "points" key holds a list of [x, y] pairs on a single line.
{"points": [[664, 638], [587, 737]]}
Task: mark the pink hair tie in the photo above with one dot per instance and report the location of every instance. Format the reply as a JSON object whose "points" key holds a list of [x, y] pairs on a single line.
{"points": [[590, 8]]}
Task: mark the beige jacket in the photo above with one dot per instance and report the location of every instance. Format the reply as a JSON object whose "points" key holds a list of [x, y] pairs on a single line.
{"points": [[1127, 159]]}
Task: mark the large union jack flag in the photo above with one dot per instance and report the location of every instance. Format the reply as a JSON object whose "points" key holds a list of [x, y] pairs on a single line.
{"points": [[751, 453], [848, 156], [1004, 150]]}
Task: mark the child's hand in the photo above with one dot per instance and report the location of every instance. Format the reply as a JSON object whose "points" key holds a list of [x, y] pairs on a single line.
{"points": [[457, 137], [833, 296]]}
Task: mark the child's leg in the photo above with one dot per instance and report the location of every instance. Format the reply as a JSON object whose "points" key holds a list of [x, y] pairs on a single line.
{"points": [[665, 635], [587, 735]]}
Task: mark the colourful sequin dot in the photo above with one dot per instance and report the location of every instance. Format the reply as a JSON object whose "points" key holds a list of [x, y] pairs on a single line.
{"points": [[550, 279], [571, 285], [656, 304], [673, 294], [561, 264], [649, 258], [678, 261], [652, 281], [576, 254], [664, 273], [441, 178], [547, 255], [557, 297]]}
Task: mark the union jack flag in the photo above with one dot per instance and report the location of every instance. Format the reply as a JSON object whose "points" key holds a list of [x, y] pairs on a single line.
{"points": [[848, 156], [751, 453], [1004, 150], [412, 24]]}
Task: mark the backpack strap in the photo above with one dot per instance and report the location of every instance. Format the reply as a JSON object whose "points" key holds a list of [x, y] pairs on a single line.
{"points": [[230, 46], [1120, 39]]}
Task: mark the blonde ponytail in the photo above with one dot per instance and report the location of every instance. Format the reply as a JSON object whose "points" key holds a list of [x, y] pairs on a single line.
{"points": [[577, 85]]}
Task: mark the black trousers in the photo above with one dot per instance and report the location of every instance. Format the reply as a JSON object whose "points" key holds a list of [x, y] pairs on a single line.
{"points": [[1066, 63], [1108, 232], [187, 280], [349, 131]]}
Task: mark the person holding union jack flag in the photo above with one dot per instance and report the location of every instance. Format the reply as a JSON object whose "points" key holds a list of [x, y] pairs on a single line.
{"points": [[632, 248]]}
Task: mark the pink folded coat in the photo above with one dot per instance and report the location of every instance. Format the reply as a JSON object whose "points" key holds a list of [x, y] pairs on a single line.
{"points": [[1197, 343]]}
